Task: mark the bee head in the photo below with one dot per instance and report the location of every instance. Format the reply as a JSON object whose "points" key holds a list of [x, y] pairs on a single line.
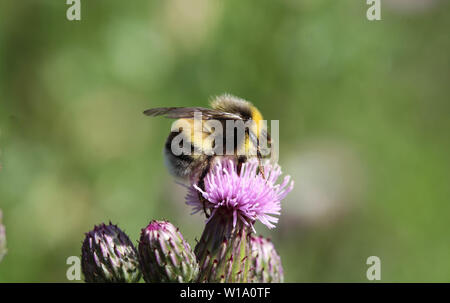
{"points": [[231, 104]]}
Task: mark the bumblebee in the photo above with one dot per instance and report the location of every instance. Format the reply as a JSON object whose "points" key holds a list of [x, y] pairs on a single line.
{"points": [[211, 143]]}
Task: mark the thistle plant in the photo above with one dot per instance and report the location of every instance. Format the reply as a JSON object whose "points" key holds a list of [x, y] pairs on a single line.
{"points": [[164, 255], [229, 249], [108, 255], [2, 238]]}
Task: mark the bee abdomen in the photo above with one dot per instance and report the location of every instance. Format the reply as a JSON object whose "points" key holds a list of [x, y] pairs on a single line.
{"points": [[178, 165]]}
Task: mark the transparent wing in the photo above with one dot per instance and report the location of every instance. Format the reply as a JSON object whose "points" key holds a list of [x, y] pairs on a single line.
{"points": [[188, 113]]}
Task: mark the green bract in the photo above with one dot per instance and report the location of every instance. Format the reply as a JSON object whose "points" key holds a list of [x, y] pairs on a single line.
{"points": [[223, 251]]}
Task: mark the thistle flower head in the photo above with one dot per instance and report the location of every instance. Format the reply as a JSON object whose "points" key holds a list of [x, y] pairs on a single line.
{"points": [[247, 195], [108, 255]]}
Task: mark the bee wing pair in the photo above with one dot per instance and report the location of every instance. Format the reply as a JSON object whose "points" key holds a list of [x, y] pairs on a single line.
{"points": [[207, 114], [188, 113]]}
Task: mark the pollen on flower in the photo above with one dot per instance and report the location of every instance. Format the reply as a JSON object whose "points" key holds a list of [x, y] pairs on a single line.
{"points": [[246, 196]]}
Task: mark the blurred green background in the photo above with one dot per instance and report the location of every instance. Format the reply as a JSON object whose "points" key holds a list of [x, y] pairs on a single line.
{"points": [[363, 109]]}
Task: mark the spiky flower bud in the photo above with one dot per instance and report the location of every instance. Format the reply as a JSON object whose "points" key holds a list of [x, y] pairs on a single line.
{"points": [[164, 255], [223, 251], [108, 255], [266, 263], [2, 238]]}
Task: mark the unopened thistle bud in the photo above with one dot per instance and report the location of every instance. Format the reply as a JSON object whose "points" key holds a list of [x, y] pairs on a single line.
{"points": [[165, 256], [108, 255], [266, 263], [2, 238]]}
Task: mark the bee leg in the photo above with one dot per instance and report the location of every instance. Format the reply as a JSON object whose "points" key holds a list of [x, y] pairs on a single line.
{"points": [[259, 157], [202, 199], [260, 166], [241, 160], [201, 184]]}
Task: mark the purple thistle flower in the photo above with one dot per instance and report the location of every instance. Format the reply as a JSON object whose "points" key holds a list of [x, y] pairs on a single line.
{"points": [[246, 196]]}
